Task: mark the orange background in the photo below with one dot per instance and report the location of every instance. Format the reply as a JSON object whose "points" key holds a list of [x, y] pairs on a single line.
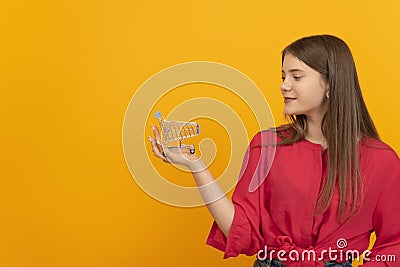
{"points": [[68, 70]]}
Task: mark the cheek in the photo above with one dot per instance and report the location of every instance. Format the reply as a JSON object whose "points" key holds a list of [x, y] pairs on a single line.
{"points": [[315, 95], [315, 99]]}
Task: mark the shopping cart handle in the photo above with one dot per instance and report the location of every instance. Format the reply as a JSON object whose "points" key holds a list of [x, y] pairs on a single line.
{"points": [[158, 115]]}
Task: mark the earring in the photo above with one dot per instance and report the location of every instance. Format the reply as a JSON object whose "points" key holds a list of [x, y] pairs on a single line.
{"points": [[327, 96]]}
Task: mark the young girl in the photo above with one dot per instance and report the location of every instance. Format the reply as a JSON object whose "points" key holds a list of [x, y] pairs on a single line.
{"points": [[331, 183]]}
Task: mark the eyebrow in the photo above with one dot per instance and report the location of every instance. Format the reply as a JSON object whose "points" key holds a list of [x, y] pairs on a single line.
{"points": [[294, 70]]}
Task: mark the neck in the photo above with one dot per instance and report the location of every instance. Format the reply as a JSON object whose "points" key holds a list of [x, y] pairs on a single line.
{"points": [[314, 132]]}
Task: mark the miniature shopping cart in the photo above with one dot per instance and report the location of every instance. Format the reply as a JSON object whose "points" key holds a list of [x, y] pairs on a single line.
{"points": [[177, 131]]}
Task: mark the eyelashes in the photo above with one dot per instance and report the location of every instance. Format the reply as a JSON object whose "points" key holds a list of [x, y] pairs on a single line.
{"points": [[296, 78]]}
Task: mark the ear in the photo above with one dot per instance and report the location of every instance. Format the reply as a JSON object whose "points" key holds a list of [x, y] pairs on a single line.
{"points": [[327, 91]]}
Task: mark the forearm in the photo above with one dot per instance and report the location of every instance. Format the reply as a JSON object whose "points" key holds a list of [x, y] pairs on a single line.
{"points": [[218, 204]]}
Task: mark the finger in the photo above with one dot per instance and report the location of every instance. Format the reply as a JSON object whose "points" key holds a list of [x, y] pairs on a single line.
{"points": [[156, 150], [165, 152], [157, 136], [160, 147], [156, 132]]}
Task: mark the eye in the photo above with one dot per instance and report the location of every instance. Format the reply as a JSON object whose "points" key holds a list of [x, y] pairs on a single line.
{"points": [[296, 78]]}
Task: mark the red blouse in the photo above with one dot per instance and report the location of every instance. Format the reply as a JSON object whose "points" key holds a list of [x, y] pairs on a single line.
{"points": [[279, 214]]}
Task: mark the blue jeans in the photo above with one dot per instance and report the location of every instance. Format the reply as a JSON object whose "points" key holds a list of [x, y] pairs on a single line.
{"points": [[274, 263]]}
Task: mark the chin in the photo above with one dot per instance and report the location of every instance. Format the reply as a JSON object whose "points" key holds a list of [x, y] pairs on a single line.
{"points": [[290, 112]]}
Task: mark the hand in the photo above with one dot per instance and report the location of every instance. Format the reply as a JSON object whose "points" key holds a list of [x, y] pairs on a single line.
{"points": [[179, 156]]}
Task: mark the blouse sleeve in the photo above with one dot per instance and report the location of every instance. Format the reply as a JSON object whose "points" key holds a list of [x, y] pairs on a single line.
{"points": [[244, 236], [386, 222]]}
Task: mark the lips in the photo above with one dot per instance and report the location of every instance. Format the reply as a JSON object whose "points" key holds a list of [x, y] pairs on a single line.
{"points": [[289, 99]]}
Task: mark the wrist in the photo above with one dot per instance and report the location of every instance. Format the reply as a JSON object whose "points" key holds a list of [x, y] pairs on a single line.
{"points": [[196, 165]]}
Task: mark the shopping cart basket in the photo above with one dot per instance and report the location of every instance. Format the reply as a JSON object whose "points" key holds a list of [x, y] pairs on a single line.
{"points": [[177, 131]]}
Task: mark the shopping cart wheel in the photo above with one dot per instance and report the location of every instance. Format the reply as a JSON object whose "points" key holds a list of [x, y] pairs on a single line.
{"points": [[191, 151]]}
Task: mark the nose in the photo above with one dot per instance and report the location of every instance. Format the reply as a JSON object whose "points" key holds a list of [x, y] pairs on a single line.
{"points": [[286, 86]]}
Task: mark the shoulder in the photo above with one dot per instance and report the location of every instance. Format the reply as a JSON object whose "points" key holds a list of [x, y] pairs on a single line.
{"points": [[272, 136], [378, 148], [264, 138], [379, 154]]}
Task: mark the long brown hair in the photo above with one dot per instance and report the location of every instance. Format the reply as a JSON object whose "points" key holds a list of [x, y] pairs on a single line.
{"points": [[345, 122]]}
